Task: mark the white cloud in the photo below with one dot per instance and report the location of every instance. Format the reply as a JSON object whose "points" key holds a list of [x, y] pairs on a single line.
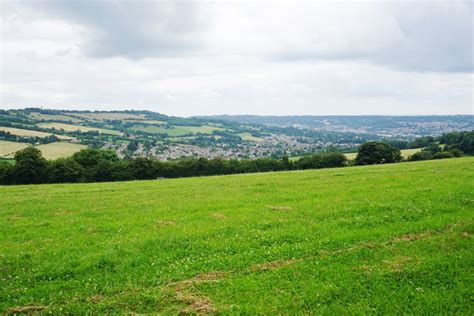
{"points": [[228, 57]]}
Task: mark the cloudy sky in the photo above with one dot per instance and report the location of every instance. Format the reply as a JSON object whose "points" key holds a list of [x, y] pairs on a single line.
{"points": [[239, 57]]}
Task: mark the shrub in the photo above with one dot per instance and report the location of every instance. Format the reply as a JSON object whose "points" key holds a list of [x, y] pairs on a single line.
{"points": [[443, 155]]}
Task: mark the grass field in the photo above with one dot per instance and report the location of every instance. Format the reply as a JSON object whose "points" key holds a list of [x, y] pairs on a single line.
{"points": [[59, 149], [72, 128], [176, 130], [8, 149], [49, 117], [28, 133], [249, 137], [386, 239], [108, 116]]}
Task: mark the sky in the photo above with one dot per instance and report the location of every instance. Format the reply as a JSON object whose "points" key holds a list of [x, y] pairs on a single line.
{"points": [[239, 57]]}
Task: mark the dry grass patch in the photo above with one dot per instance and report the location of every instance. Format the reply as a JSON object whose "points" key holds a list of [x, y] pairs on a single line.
{"points": [[185, 292], [274, 265], [30, 309], [279, 208]]}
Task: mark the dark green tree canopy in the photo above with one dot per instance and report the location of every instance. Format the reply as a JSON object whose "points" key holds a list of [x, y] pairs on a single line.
{"points": [[30, 167], [377, 153]]}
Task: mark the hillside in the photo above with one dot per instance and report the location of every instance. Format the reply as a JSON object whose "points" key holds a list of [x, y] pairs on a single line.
{"points": [[151, 134], [379, 239]]}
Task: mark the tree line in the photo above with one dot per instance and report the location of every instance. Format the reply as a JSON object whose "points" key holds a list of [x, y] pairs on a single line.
{"points": [[94, 165]]}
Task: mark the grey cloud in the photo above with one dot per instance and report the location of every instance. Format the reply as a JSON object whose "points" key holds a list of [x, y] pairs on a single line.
{"points": [[435, 37], [131, 29]]}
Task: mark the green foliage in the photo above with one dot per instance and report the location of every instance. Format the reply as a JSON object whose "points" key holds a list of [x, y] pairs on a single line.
{"points": [[372, 153], [30, 167], [388, 239], [443, 155], [65, 170], [327, 160]]}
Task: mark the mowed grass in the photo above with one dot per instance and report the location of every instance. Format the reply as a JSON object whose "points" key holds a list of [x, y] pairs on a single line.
{"points": [[8, 148], [30, 133], [59, 149], [176, 130], [386, 239], [73, 128]]}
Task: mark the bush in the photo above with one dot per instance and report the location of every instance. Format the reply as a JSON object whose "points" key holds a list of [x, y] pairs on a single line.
{"points": [[456, 152], [421, 155], [443, 155]]}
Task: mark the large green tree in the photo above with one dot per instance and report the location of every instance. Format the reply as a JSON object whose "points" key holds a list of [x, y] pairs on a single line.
{"points": [[30, 167], [372, 153]]}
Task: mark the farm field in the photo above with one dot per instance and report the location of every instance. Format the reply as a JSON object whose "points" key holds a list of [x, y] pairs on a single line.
{"points": [[27, 132], [8, 148], [72, 128], [59, 149], [176, 130], [56, 117], [99, 116], [249, 137], [384, 239]]}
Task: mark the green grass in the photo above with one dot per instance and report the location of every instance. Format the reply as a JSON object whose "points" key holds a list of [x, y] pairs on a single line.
{"points": [[73, 128], [386, 239], [249, 137], [59, 149], [176, 131]]}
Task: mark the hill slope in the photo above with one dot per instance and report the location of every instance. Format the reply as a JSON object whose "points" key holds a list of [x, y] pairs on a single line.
{"points": [[386, 239]]}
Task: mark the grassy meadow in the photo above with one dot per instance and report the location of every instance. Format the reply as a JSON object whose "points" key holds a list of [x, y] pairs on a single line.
{"points": [[73, 128], [176, 130], [8, 148], [30, 133], [59, 149], [385, 239]]}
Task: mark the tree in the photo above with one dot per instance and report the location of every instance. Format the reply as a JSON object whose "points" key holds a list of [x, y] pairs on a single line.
{"points": [[89, 157], [372, 153], [467, 143], [30, 167], [142, 168], [5, 173], [65, 170]]}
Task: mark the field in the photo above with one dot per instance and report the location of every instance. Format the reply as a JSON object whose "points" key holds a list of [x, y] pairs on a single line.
{"points": [[386, 239], [176, 130], [7, 148], [30, 133], [72, 128], [59, 149], [249, 137], [107, 116], [57, 117]]}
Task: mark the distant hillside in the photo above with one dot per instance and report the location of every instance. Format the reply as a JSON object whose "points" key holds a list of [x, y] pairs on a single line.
{"points": [[144, 133], [393, 126]]}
